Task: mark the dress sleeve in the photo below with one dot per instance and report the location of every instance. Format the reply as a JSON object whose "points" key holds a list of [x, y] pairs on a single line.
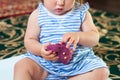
{"points": [[83, 9]]}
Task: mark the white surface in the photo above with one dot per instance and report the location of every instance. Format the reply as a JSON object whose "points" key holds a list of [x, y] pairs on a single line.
{"points": [[7, 67]]}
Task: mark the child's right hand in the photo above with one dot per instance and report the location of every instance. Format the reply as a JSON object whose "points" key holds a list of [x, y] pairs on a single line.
{"points": [[48, 55]]}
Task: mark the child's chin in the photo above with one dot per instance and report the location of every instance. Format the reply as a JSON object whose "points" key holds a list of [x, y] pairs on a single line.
{"points": [[59, 13]]}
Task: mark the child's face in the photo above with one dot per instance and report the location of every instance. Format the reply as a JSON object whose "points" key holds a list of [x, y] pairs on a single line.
{"points": [[59, 7]]}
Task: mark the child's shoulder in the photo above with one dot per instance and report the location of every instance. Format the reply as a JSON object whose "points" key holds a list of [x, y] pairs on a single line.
{"points": [[35, 12]]}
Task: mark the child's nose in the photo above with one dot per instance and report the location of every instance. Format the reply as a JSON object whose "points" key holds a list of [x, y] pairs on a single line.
{"points": [[60, 2]]}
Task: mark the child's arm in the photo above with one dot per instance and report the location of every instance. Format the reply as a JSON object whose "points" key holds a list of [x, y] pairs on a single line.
{"points": [[31, 40], [88, 37], [90, 34]]}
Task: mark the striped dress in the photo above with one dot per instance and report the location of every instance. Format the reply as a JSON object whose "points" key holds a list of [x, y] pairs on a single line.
{"points": [[53, 27]]}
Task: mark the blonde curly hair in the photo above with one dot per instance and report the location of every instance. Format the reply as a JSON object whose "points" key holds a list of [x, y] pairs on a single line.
{"points": [[80, 1]]}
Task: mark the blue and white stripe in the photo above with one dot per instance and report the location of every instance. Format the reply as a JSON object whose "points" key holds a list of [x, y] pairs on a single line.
{"points": [[53, 27]]}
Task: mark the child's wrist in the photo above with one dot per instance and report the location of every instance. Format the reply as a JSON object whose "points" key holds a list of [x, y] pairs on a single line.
{"points": [[40, 50]]}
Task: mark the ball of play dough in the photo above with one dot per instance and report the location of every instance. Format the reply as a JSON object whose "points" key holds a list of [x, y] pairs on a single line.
{"points": [[62, 52]]}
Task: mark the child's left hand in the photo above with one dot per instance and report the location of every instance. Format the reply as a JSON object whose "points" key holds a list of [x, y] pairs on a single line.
{"points": [[71, 38]]}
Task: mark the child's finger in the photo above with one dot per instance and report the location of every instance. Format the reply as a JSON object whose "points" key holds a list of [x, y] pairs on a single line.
{"points": [[75, 43], [47, 44], [71, 50], [70, 42], [47, 53], [52, 57], [74, 47], [55, 58], [65, 38]]}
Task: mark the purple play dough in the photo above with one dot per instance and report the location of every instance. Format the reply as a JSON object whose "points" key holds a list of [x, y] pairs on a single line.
{"points": [[63, 53]]}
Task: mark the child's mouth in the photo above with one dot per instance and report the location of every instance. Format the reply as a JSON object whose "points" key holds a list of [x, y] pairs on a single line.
{"points": [[59, 10]]}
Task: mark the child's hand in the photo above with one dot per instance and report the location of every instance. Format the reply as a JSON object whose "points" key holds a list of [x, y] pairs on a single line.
{"points": [[48, 55], [71, 38]]}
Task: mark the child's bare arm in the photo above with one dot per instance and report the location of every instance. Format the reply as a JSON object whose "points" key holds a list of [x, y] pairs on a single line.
{"points": [[31, 40], [89, 35]]}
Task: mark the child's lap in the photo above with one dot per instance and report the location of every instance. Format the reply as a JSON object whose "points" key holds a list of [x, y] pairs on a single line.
{"points": [[7, 68], [76, 68]]}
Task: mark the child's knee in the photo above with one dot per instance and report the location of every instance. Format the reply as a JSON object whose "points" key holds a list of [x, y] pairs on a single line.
{"points": [[31, 68], [22, 65], [106, 72], [102, 74]]}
